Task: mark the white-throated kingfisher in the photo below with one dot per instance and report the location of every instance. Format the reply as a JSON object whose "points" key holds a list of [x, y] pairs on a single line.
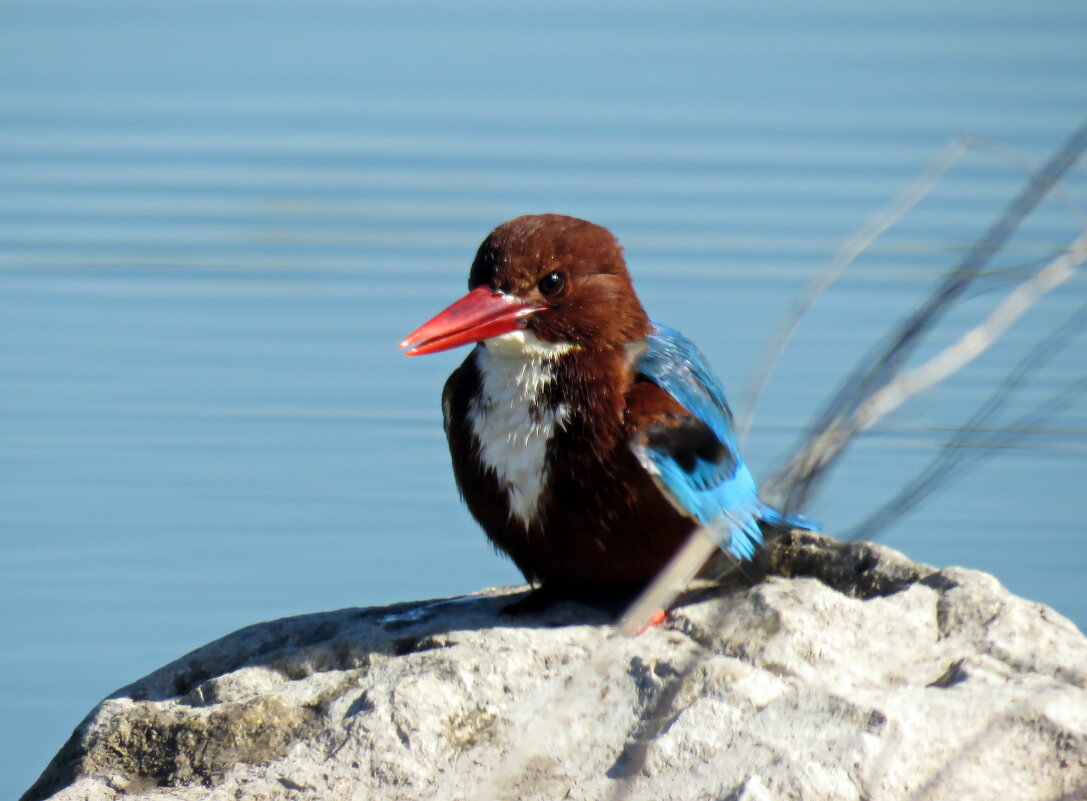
{"points": [[587, 440]]}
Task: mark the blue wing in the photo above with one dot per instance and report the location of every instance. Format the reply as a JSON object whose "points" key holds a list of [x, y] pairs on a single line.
{"points": [[695, 458]]}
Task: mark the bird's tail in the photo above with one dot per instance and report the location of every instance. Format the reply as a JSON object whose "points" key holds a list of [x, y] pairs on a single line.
{"points": [[741, 535], [773, 517]]}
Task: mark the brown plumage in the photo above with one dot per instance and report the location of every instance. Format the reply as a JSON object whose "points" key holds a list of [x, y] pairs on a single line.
{"points": [[600, 523]]}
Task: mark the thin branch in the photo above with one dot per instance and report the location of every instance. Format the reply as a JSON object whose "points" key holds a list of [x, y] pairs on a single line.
{"points": [[977, 340], [853, 247], [812, 461], [1026, 164], [969, 440], [669, 582], [880, 366]]}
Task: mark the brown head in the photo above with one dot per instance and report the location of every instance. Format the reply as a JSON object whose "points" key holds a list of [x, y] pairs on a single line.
{"points": [[561, 278]]}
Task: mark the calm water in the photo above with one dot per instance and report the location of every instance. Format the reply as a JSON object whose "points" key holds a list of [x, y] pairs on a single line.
{"points": [[218, 218]]}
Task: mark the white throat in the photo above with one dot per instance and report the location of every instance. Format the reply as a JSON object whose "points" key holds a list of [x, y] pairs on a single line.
{"points": [[510, 419]]}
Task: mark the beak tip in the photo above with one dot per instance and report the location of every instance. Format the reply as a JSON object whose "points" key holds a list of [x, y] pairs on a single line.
{"points": [[480, 314]]}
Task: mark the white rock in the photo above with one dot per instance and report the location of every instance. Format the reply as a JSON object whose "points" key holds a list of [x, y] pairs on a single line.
{"points": [[849, 674]]}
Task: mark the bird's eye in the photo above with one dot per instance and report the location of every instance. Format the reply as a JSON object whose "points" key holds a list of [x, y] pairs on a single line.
{"points": [[551, 283]]}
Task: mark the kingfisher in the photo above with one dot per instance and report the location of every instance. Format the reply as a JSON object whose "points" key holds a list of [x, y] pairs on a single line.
{"points": [[586, 440]]}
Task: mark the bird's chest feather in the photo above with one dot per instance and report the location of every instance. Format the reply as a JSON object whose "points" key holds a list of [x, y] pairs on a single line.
{"points": [[515, 416]]}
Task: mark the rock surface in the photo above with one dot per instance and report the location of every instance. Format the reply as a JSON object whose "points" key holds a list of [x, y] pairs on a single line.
{"points": [[846, 673]]}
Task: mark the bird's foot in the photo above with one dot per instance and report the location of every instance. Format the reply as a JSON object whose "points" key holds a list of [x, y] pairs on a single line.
{"points": [[658, 617], [539, 599]]}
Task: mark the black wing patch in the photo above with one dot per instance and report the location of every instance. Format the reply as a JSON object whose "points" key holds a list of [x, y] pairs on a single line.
{"points": [[688, 442]]}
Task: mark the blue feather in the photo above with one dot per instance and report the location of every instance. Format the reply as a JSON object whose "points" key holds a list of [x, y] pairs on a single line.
{"points": [[696, 461]]}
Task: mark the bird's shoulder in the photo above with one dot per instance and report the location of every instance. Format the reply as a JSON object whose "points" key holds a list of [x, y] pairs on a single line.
{"points": [[677, 413], [669, 360]]}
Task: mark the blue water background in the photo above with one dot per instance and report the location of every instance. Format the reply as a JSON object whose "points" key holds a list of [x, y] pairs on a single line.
{"points": [[218, 218]]}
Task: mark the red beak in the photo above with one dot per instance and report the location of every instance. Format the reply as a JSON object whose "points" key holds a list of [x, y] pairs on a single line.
{"points": [[481, 314]]}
